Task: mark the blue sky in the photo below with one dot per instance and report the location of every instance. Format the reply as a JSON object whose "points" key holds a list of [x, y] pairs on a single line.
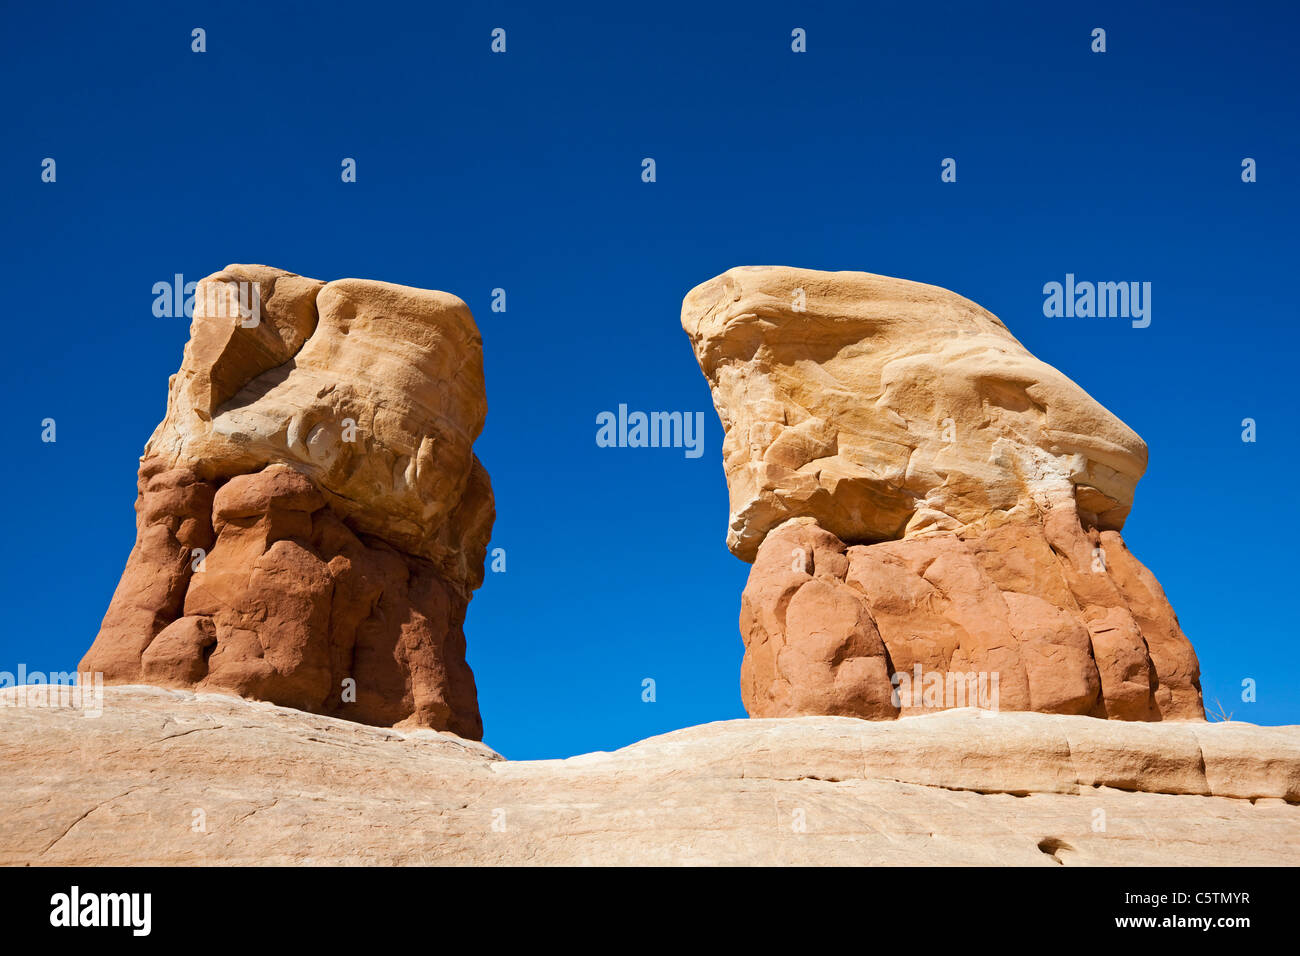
{"points": [[523, 171]]}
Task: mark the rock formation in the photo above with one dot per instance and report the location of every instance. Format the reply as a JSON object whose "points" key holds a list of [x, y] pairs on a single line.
{"points": [[932, 513], [311, 519], [953, 788]]}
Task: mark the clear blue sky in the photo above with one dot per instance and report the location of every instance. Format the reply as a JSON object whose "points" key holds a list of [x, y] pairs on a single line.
{"points": [[523, 171]]}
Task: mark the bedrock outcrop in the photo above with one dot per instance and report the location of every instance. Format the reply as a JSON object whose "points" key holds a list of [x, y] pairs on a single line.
{"points": [[933, 514], [954, 788], [311, 519]]}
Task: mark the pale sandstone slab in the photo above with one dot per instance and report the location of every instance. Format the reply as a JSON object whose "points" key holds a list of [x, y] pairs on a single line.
{"points": [[283, 787]]}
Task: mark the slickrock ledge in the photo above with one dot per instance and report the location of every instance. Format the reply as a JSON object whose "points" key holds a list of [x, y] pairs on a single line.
{"points": [[919, 495], [311, 519], [175, 777]]}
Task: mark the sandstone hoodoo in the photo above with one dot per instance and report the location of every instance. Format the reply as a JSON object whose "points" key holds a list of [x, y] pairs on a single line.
{"points": [[311, 518], [933, 514]]}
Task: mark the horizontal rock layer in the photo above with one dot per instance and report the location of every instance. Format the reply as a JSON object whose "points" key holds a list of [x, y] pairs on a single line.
{"points": [[271, 785]]}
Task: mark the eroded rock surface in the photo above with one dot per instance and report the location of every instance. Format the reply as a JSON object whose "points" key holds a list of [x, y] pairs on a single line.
{"points": [[311, 519], [927, 507], [281, 787]]}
